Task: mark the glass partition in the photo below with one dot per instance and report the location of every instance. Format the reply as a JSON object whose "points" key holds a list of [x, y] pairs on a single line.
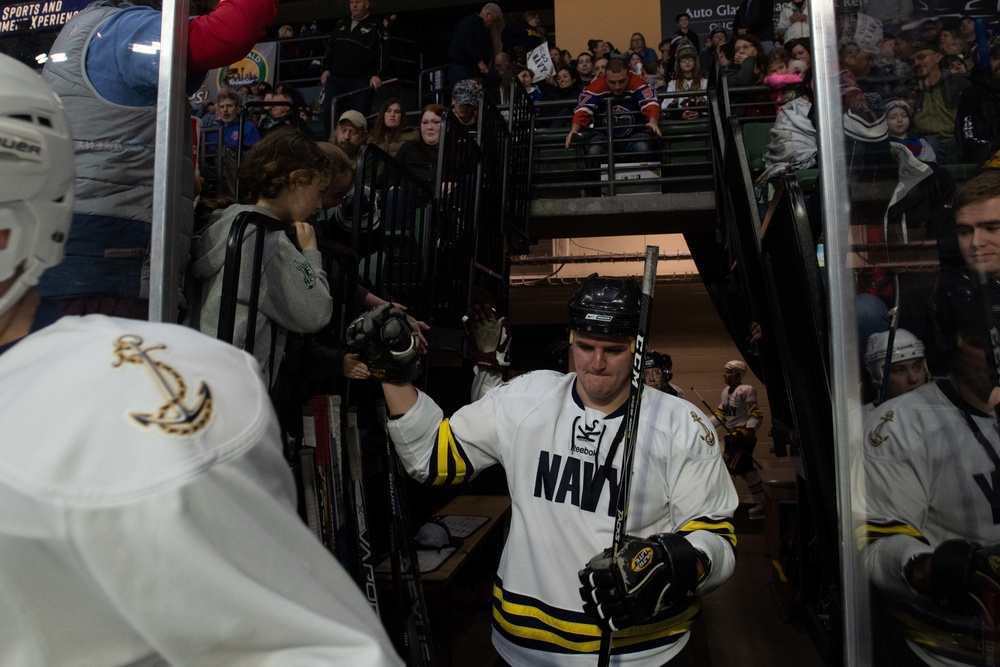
{"points": [[906, 106]]}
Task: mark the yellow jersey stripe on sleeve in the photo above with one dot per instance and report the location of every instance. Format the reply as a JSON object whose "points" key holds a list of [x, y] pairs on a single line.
{"points": [[722, 528], [870, 532], [452, 465]]}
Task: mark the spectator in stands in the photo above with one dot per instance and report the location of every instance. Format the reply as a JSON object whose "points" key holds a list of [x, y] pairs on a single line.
{"points": [[281, 115], [858, 62], [951, 43], [635, 121], [497, 83], [524, 36], [664, 48], [683, 30], [687, 77], [354, 61], [793, 20], [229, 119], [599, 48], [801, 50], [746, 68], [710, 56], [391, 131], [600, 66], [472, 45], [899, 118], [937, 102], [756, 18], [110, 97], [967, 29], [563, 87], [635, 64], [527, 79], [638, 45], [350, 133], [655, 75], [465, 102], [421, 154], [887, 60], [977, 122], [585, 67], [555, 55], [958, 65], [283, 177], [781, 81]]}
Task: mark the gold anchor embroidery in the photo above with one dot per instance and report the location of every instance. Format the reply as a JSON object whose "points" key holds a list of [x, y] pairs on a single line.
{"points": [[173, 417], [709, 436], [875, 438]]}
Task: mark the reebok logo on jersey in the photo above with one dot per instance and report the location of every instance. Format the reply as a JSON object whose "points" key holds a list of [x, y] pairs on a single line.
{"points": [[642, 559], [582, 450]]}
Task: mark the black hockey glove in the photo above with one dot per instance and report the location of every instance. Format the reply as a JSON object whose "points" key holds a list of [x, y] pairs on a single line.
{"points": [[387, 342], [645, 577], [964, 574], [738, 453], [490, 335]]}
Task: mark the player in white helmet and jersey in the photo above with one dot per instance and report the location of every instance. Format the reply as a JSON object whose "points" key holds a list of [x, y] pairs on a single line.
{"points": [[740, 416], [147, 515], [907, 370]]}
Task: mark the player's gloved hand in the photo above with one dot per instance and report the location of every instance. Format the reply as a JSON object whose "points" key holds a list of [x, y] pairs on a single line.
{"points": [[645, 577], [491, 336], [388, 342], [748, 437], [962, 571]]}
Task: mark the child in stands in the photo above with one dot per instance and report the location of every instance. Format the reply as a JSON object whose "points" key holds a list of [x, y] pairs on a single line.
{"points": [[899, 118], [283, 177], [779, 78]]}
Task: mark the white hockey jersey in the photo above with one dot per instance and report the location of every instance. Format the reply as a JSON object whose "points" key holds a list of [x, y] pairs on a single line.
{"points": [[738, 408], [924, 479], [147, 516], [553, 450]]}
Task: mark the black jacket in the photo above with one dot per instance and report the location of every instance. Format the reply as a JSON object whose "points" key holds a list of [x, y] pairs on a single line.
{"points": [[977, 120], [358, 52], [759, 21]]}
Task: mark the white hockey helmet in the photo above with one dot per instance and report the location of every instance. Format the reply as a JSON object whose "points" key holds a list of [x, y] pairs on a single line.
{"points": [[36, 178], [738, 368], [904, 346]]}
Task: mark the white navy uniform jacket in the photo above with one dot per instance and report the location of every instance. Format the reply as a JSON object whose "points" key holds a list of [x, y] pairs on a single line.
{"points": [[552, 448], [147, 515], [926, 479]]}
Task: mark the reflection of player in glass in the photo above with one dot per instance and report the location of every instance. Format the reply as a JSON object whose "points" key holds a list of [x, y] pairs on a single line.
{"points": [[931, 468], [157, 524], [907, 370]]}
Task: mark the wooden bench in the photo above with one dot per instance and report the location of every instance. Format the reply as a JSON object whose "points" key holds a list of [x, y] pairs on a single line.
{"points": [[780, 487]]}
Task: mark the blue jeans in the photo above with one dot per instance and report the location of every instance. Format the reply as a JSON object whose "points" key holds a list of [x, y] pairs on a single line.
{"points": [[637, 142]]}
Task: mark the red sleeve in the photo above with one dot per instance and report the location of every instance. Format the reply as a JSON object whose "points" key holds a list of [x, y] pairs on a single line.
{"points": [[586, 104], [228, 32]]}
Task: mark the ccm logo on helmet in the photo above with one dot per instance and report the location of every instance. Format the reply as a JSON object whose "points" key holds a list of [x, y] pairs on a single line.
{"points": [[24, 149]]}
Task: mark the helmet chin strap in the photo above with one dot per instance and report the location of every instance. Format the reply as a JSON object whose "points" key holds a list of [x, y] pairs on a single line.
{"points": [[28, 278]]}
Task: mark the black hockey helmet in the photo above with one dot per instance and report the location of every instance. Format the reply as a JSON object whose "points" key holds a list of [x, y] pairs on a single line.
{"points": [[653, 360], [606, 306]]}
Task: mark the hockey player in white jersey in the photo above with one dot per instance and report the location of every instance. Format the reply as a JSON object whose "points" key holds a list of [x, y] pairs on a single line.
{"points": [[739, 414], [907, 370], [558, 438], [147, 516], [930, 478]]}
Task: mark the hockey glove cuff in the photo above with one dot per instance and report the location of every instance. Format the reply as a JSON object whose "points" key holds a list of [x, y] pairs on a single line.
{"points": [[645, 577]]}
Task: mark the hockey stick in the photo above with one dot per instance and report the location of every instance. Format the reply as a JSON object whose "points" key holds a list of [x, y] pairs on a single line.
{"points": [[632, 420], [417, 644], [365, 573], [889, 344]]}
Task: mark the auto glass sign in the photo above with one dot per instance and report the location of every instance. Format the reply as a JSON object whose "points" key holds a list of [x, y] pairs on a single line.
{"points": [[30, 16]]}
